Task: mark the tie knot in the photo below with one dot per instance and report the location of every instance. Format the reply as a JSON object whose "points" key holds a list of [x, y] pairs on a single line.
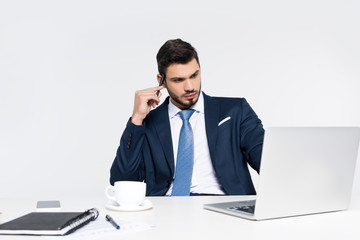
{"points": [[186, 114]]}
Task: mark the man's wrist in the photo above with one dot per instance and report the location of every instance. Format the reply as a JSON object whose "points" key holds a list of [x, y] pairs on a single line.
{"points": [[136, 121]]}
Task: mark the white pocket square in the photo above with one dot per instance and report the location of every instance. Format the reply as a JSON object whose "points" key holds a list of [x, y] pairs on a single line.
{"points": [[224, 120]]}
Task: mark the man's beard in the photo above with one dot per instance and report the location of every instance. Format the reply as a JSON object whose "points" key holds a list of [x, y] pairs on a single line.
{"points": [[178, 100]]}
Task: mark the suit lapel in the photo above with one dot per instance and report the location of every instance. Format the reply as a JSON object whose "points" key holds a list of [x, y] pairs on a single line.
{"points": [[211, 109], [162, 126]]}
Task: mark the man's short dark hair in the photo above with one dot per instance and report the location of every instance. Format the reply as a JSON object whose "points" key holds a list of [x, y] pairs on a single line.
{"points": [[175, 51]]}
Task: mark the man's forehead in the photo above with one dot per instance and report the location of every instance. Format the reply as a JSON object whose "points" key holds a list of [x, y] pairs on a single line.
{"points": [[183, 70]]}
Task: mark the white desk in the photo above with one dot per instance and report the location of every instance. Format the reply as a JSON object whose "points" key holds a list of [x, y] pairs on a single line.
{"points": [[184, 218]]}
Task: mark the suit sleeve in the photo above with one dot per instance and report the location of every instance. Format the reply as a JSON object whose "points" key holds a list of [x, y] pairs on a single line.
{"points": [[128, 164], [252, 136]]}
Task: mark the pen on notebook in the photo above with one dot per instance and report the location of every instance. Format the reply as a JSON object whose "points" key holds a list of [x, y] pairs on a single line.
{"points": [[108, 218]]}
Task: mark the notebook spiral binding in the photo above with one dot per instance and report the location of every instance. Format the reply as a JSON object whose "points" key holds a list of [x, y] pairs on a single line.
{"points": [[83, 219]]}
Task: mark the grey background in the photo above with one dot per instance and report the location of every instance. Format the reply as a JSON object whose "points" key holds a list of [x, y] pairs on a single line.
{"points": [[69, 70]]}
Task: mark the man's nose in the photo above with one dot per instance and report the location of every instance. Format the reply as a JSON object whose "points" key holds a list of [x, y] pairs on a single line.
{"points": [[188, 85]]}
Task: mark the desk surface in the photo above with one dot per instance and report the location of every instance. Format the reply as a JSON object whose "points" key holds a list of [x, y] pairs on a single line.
{"points": [[183, 217]]}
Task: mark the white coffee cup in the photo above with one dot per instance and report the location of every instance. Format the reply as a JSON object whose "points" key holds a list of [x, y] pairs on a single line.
{"points": [[127, 193]]}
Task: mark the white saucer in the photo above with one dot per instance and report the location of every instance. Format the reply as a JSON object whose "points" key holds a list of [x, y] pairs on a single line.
{"points": [[112, 205]]}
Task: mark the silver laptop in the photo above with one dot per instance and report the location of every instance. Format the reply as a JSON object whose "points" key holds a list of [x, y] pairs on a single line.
{"points": [[304, 170]]}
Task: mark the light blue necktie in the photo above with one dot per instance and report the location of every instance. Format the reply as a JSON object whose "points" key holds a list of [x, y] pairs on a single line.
{"points": [[185, 157]]}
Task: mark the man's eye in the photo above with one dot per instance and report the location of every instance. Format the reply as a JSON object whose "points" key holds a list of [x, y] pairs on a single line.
{"points": [[194, 75]]}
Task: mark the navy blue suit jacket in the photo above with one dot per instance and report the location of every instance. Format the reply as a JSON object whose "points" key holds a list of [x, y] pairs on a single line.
{"points": [[146, 153]]}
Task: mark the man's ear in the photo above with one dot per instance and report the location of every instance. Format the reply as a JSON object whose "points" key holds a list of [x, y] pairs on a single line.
{"points": [[158, 76]]}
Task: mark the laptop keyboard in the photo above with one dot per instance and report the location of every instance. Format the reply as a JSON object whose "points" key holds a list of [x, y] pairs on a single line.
{"points": [[250, 208]]}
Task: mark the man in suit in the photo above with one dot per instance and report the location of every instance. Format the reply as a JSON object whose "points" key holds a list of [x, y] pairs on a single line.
{"points": [[225, 134]]}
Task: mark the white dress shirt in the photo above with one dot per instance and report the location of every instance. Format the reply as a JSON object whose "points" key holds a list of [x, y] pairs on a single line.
{"points": [[203, 176]]}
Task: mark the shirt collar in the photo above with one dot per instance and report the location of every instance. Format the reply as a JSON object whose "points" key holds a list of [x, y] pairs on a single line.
{"points": [[198, 107]]}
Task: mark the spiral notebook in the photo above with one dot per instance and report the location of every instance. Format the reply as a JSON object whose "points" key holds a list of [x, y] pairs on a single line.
{"points": [[48, 223]]}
